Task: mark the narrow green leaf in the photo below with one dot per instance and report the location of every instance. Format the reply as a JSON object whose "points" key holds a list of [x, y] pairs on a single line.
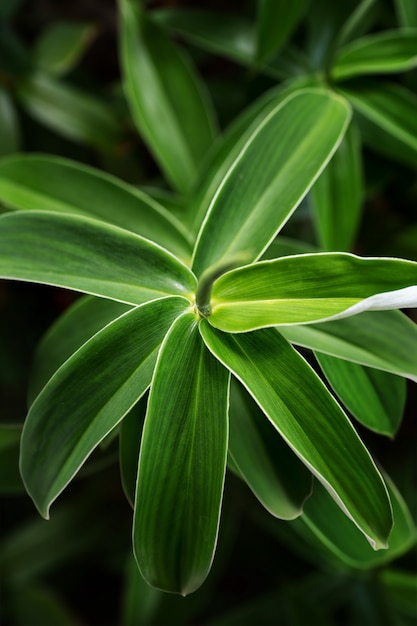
{"points": [[359, 22], [264, 461], [168, 103], [337, 195], [269, 178], [309, 288], [89, 395], [60, 47], [182, 463], [54, 184], [299, 406], [386, 340], [407, 13], [86, 255], [276, 22], [375, 398], [390, 107], [72, 113], [9, 126], [381, 53]]}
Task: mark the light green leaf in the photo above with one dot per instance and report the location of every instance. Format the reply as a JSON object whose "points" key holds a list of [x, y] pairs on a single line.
{"points": [[86, 255], [264, 461], [74, 114], [276, 22], [89, 395], [9, 126], [269, 178], [168, 103], [297, 403], [406, 12], [390, 107], [54, 184], [337, 195], [182, 463], [60, 47], [381, 53], [386, 340], [309, 288], [375, 398]]}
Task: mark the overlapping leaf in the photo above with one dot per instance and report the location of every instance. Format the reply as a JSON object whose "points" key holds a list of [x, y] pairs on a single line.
{"points": [[182, 463], [308, 288], [276, 21], [310, 421]]}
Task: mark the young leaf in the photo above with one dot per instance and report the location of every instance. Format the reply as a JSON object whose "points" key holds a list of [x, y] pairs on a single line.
{"points": [[168, 103], [375, 398], [276, 22], [269, 178], [86, 255], [299, 406], [381, 53], [54, 184], [386, 340], [61, 46], [89, 395], [264, 461], [182, 463], [308, 288], [337, 195]]}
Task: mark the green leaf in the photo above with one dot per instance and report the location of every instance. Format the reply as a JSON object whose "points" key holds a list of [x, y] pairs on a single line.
{"points": [[61, 46], [140, 601], [406, 12], [53, 184], [381, 53], [386, 340], [168, 103], [269, 178], [276, 22], [390, 107], [182, 463], [297, 403], [9, 126], [360, 21], [337, 195], [129, 446], [375, 398], [309, 288], [264, 461], [86, 255], [70, 112], [89, 395]]}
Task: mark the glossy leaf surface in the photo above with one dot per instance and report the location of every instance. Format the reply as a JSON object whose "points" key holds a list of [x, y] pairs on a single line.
{"points": [[89, 395], [381, 53], [375, 398], [386, 340], [308, 288], [54, 184], [166, 99], [269, 178], [276, 21], [297, 403], [86, 255], [182, 463], [337, 195]]}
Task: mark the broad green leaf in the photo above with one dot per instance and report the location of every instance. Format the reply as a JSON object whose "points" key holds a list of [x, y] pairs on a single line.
{"points": [[308, 288], [375, 398], [381, 53], [9, 126], [273, 172], [325, 522], [86, 255], [60, 47], [264, 461], [167, 101], [298, 404], [89, 395], [69, 332], [72, 113], [407, 13], [386, 340], [129, 446], [53, 184], [182, 463], [337, 195], [389, 106], [276, 22]]}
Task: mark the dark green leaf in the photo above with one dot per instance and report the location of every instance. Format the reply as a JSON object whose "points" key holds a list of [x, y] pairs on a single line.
{"points": [[130, 436], [61, 46], [9, 125], [10, 481], [407, 13], [276, 21]]}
